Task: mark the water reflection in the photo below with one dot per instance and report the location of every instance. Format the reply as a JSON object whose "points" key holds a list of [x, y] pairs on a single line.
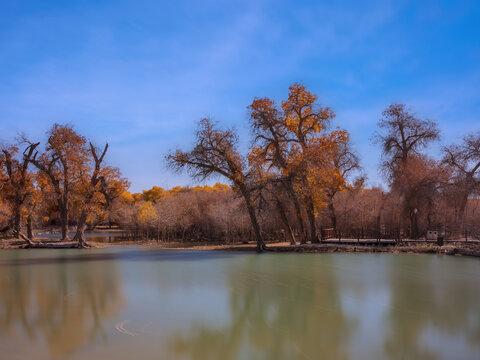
{"points": [[435, 305], [63, 305], [144, 304], [286, 308], [342, 307]]}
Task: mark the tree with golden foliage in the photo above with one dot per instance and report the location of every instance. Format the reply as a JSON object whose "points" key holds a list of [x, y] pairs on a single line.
{"points": [[113, 186], [18, 187], [63, 163], [87, 188], [313, 149], [295, 139], [270, 151], [74, 172], [155, 194]]}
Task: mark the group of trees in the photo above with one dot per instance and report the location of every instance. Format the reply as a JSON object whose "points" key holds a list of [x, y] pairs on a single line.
{"points": [[66, 182], [303, 173], [295, 159], [431, 193], [299, 177], [202, 213]]}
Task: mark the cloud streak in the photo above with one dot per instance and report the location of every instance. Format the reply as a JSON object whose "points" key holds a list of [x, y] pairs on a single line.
{"points": [[139, 74]]}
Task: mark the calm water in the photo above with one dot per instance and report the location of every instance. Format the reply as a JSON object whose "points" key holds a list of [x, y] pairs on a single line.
{"points": [[95, 236], [139, 304]]}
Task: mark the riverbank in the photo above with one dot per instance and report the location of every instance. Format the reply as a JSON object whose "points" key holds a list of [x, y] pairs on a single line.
{"points": [[459, 248], [454, 248], [42, 244]]}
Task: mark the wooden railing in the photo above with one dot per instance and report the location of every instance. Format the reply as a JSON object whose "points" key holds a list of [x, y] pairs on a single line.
{"points": [[328, 233]]}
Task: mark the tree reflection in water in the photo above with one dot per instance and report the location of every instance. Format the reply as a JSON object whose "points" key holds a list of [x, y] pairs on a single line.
{"points": [[316, 307], [209, 305], [61, 304], [432, 298], [275, 315]]}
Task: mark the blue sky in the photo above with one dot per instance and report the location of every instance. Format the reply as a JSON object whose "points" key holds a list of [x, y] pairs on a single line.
{"points": [[139, 74]]}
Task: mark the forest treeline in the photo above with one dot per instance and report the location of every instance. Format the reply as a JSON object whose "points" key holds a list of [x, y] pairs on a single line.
{"points": [[300, 181]]}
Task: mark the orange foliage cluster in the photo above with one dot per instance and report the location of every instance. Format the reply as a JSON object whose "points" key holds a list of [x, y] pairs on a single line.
{"points": [[70, 182], [157, 193], [297, 176], [294, 146]]}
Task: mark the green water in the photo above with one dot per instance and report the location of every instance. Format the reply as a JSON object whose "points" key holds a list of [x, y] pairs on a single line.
{"points": [[138, 304]]}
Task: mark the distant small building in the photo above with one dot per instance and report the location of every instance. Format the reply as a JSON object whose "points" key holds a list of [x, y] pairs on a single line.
{"points": [[432, 235]]}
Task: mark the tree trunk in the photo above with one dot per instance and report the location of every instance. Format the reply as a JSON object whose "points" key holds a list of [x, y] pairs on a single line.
{"points": [[311, 219], [64, 221], [27, 240], [460, 221], [379, 218], [16, 221], [298, 211], [253, 218], [413, 224], [283, 215], [80, 234], [29, 227], [333, 216]]}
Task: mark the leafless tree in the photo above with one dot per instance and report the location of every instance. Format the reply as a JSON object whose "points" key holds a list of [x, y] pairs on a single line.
{"points": [[404, 136], [464, 160], [215, 152], [347, 162]]}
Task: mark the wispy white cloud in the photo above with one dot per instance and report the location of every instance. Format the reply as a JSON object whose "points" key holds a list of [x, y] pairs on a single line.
{"points": [[139, 74]]}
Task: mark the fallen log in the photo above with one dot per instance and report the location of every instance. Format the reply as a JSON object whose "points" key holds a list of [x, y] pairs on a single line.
{"points": [[53, 245], [23, 237]]}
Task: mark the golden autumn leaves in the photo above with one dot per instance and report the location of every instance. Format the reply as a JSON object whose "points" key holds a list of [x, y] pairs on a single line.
{"points": [[144, 212], [294, 140], [70, 179], [293, 151]]}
